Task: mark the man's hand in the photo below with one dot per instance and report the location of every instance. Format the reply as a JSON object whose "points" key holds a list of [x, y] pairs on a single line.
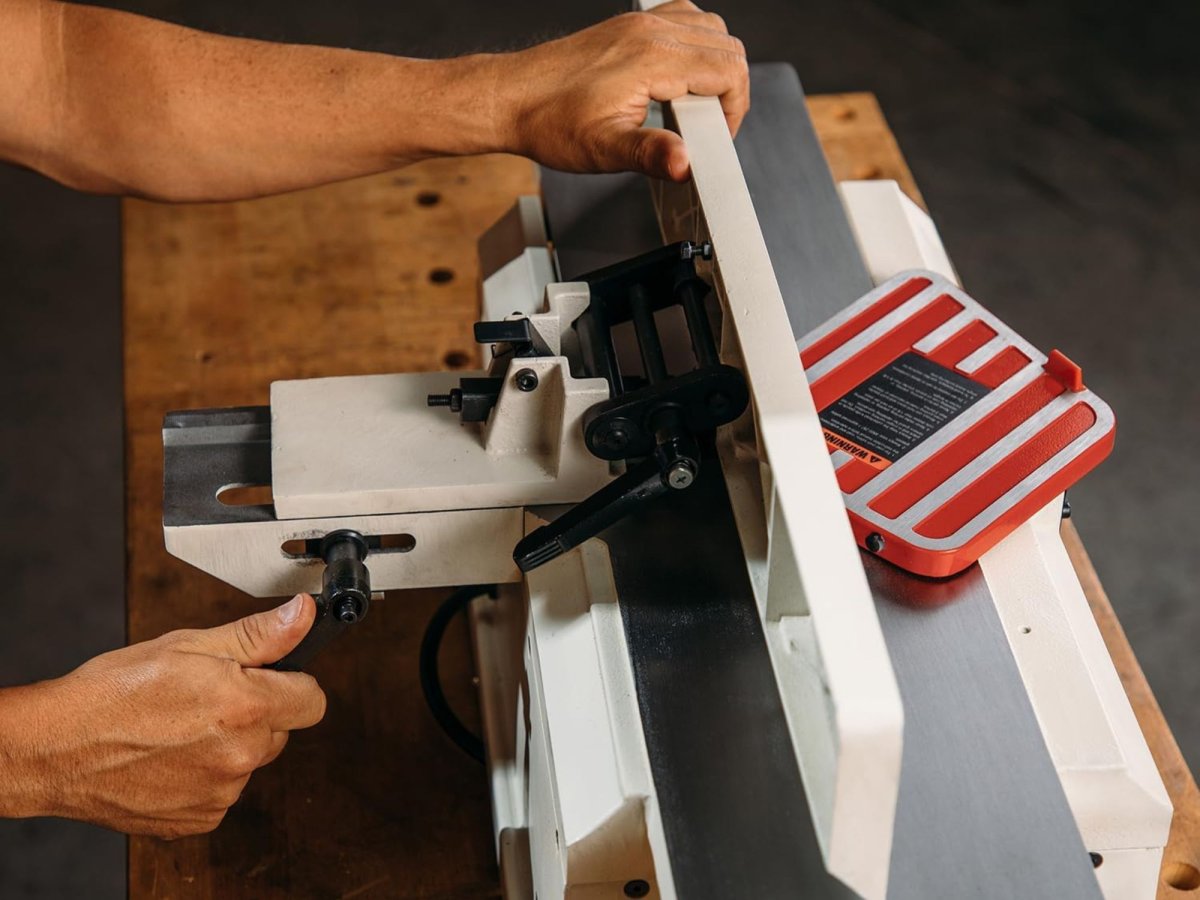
{"points": [[579, 102], [158, 738]]}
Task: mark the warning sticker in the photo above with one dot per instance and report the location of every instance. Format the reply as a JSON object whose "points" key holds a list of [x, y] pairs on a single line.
{"points": [[840, 443], [897, 408]]}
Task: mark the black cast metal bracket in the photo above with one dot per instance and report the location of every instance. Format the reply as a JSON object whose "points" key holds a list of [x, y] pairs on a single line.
{"points": [[653, 421]]}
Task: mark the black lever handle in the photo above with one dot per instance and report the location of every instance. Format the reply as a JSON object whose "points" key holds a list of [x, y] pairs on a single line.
{"points": [[674, 466], [658, 421], [344, 599], [591, 516]]}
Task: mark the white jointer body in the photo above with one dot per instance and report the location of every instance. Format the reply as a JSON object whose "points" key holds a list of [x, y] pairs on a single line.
{"points": [[1110, 781], [1112, 784]]}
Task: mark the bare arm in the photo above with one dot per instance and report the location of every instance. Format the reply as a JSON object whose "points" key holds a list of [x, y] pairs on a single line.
{"points": [[116, 103]]}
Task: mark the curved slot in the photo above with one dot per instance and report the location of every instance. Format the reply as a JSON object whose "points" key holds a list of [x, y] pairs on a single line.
{"points": [[310, 548]]}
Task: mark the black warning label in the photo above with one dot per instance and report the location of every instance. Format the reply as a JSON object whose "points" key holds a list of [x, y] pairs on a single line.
{"points": [[897, 408]]}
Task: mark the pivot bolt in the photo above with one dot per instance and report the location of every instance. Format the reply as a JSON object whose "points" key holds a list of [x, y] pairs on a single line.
{"points": [[615, 437], [347, 609], [687, 250], [526, 380], [681, 475], [638, 887], [875, 542]]}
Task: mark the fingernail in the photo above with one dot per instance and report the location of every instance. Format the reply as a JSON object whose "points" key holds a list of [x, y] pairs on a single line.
{"points": [[290, 611]]}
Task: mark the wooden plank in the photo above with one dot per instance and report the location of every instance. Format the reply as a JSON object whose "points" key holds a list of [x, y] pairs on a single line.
{"points": [[376, 275], [857, 141], [380, 275]]}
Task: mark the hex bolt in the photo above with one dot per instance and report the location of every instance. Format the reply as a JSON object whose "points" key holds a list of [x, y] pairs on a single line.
{"points": [[616, 438], [347, 610], [638, 887], [453, 400], [689, 249], [681, 475], [526, 380], [875, 542], [614, 435]]}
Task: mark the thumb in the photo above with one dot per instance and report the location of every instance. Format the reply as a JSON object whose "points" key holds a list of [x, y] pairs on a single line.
{"points": [[656, 152], [264, 637]]}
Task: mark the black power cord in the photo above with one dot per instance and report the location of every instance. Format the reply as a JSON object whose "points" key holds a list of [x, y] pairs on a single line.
{"points": [[431, 682]]}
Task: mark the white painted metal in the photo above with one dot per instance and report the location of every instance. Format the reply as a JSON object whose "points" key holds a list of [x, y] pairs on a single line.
{"points": [[1111, 782], [899, 233], [414, 470], [566, 752], [250, 555], [517, 264], [574, 808], [834, 673], [406, 457]]}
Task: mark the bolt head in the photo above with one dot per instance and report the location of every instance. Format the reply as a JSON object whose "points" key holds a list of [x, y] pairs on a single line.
{"points": [[347, 609], [875, 542], [680, 476], [615, 436], [526, 380], [638, 887]]}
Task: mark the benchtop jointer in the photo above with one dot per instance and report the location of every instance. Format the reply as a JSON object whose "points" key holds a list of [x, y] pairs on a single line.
{"points": [[560, 417]]}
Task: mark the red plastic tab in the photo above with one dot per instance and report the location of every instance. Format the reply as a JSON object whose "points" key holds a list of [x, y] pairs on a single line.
{"points": [[1061, 369]]}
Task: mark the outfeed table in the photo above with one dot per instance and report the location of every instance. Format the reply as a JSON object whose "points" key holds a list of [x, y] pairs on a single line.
{"points": [[380, 275]]}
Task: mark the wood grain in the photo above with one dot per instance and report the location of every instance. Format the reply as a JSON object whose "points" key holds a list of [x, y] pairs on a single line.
{"points": [[221, 300], [379, 275]]}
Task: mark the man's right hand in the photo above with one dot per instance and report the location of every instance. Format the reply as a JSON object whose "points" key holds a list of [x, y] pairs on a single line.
{"points": [[160, 737], [579, 103]]}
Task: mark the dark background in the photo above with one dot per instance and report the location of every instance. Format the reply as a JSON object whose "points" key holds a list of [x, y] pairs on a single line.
{"points": [[1054, 140]]}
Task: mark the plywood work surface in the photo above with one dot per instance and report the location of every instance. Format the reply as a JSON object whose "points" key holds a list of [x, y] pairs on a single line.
{"points": [[372, 276]]}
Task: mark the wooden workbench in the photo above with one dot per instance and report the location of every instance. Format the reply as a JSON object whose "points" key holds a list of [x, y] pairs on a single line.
{"points": [[380, 275]]}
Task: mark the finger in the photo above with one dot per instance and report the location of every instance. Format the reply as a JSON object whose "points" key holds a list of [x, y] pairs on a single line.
{"points": [[708, 73], [262, 638], [292, 699], [656, 152]]}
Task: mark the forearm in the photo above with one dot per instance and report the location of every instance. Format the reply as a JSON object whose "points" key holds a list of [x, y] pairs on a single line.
{"points": [[25, 787], [150, 108], [111, 102]]}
